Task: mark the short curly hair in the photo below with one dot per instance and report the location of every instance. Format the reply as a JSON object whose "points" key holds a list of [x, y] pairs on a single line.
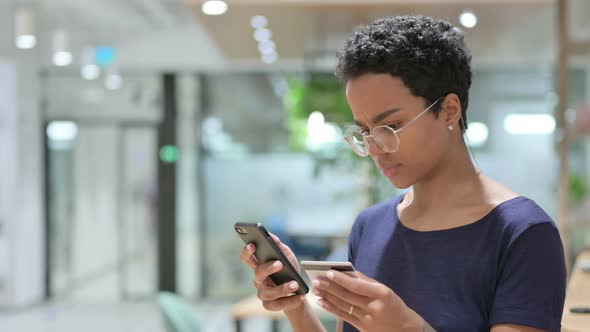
{"points": [[429, 56]]}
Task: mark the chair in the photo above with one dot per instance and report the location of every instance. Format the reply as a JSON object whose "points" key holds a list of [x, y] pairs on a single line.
{"points": [[178, 314]]}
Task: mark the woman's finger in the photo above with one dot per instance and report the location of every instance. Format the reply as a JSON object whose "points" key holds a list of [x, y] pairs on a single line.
{"points": [[263, 271], [353, 320], [274, 293], [326, 287], [361, 286], [276, 238], [247, 256], [340, 304], [285, 303]]}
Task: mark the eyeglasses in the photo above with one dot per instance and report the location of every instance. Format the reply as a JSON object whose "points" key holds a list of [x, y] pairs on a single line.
{"points": [[384, 136]]}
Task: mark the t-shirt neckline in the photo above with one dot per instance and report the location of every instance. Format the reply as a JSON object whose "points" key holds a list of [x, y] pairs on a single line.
{"points": [[482, 220]]}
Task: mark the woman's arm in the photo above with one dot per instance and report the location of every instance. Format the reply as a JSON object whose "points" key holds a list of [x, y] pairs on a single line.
{"points": [[303, 319], [281, 298]]}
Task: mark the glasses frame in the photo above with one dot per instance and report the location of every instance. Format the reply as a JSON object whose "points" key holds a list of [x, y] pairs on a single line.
{"points": [[395, 133]]}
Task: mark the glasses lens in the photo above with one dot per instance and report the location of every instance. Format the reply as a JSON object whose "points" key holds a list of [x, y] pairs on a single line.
{"points": [[357, 143], [386, 139]]}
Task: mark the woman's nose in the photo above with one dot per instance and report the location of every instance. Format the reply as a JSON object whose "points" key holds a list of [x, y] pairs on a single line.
{"points": [[373, 147]]}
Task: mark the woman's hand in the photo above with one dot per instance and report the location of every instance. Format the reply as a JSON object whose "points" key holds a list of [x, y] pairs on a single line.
{"points": [[274, 298], [365, 303]]}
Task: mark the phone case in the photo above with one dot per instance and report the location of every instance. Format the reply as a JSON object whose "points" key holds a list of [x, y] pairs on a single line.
{"points": [[267, 250]]}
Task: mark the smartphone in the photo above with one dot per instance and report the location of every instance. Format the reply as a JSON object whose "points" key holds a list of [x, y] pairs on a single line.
{"points": [[315, 269], [580, 310], [267, 250]]}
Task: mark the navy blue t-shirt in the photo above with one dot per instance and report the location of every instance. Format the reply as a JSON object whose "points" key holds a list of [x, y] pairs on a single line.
{"points": [[506, 268]]}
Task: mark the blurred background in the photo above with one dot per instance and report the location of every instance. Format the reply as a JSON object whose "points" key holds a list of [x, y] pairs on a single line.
{"points": [[135, 133]]}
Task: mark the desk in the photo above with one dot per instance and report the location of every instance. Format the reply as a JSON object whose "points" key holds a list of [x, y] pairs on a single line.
{"points": [[251, 307], [578, 294]]}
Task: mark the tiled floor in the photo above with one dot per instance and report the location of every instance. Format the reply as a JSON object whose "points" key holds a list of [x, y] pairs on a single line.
{"points": [[117, 317]]}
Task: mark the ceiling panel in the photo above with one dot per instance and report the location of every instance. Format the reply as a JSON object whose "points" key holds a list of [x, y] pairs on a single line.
{"points": [[504, 31]]}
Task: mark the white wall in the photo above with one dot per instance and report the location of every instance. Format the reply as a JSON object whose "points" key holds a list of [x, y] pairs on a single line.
{"points": [[188, 198], [21, 204], [8, 175]]}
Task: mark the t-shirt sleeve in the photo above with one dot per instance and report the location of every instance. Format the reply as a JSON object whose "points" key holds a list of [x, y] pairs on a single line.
{"points": [[354, 238], [531, 284]]}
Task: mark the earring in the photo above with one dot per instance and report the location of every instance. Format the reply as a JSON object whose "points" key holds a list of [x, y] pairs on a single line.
{"points": [[450, 127]]}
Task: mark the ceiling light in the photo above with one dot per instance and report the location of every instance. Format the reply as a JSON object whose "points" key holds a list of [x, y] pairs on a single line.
{"points": [[262, 34], [266, 47], [113, 81], [269, 57], [214, 7], [26, 42], [529, 124], [468, 19], [258, 22], [24, 29], [61, 53], [62, 58], [62, 130], [90, 72]]}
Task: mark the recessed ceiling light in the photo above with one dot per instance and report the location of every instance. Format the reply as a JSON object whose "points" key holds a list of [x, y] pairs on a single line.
{"points": [[258, 22], [262, 35], [214, 7], [25, 29], [26, 42], [113, 81], [468, 19], [62, 130], [61, 53], [90, 72], [267, 47], [62, 58], [269, 57]]}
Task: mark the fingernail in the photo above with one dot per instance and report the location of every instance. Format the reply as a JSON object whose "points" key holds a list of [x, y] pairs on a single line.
{"points": [[250, 247], [302, 298], [320, 303], [316, 292], [276, 264], [293, 285], [315, 283], [330, 275]]}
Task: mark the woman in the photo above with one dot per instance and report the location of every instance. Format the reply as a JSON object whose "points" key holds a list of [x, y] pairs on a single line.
{"points": [[459, 251]]}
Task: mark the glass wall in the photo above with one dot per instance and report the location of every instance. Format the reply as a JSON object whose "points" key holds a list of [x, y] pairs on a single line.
{"points": [[102, 181], [253, 173], [241, 160]]}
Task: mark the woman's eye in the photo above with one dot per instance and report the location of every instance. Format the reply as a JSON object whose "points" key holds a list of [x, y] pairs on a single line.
{"points": [[395, 125]]}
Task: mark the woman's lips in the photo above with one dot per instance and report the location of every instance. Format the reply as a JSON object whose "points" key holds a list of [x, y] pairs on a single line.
{"points": [[391, 170]]}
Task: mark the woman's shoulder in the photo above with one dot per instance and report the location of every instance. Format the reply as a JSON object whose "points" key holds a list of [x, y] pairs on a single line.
{"points": [[519, 214], [514, 212], [381, 209], [380, 212]]}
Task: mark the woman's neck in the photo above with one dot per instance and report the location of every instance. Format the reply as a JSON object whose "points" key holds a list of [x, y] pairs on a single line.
{"points": [[455, 182]]}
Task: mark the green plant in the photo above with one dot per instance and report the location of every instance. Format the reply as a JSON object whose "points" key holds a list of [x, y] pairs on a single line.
{"points": [[578, 188], [324, 93]]}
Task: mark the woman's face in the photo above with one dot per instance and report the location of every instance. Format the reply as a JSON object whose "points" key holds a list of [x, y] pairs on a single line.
{"points": [[382, 99]]}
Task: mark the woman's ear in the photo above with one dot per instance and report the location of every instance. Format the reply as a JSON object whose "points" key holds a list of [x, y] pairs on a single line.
{"points": [[451, 110]]}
